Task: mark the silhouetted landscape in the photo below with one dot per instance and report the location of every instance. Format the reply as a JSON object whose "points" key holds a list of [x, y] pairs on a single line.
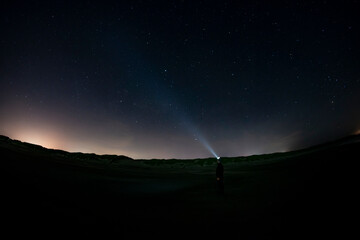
{"points": [[299, 194], [179, 119]]}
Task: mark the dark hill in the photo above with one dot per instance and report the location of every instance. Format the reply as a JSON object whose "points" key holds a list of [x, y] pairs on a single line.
{"points": [[310, 193]]}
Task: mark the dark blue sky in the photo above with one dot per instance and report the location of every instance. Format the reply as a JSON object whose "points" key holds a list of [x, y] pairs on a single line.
{"points": [[155, 79]]}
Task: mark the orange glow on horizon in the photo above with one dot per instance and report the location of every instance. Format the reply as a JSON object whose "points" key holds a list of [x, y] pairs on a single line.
{"points": [[48, 140], [53, 141]]}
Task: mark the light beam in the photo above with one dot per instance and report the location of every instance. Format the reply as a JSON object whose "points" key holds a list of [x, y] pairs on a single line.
{"points": [[205, 143]]}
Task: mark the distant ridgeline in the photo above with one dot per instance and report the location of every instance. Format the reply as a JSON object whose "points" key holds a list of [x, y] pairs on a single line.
{"points": [[15, 146], [9, 146]]}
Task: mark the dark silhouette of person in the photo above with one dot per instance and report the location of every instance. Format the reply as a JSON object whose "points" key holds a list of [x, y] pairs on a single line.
{"points": [[220, 177]]}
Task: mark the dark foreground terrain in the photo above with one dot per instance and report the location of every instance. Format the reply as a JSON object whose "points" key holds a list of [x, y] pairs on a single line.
{"points": [[297, 195]]}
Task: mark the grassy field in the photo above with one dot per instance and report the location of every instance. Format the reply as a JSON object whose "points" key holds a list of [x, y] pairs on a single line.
{"points": [[300, 194]]}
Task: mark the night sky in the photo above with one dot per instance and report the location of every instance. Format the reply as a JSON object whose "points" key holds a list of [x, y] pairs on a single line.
{"points": [[165, 79]]}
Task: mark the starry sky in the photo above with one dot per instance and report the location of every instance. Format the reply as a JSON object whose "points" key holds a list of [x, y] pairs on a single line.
{"points": [[173, 79]]}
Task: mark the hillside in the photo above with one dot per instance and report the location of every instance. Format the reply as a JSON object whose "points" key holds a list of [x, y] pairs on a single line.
{"points": [[290, 195]]}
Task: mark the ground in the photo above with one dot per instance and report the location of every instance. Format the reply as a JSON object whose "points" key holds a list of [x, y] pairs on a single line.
{"points": [[301, 194]]}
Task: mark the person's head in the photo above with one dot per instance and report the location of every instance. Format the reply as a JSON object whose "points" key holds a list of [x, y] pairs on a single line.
{"points": [[218, 160]]}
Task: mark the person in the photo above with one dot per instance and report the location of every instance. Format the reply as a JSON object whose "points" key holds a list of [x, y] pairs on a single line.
{"points": [[220, 176]]}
